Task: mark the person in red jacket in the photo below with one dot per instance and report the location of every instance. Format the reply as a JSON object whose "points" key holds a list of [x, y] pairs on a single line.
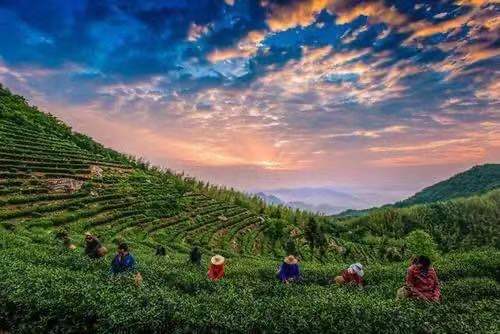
{"points": [[421, 282], [216, 269], [354, 274]]}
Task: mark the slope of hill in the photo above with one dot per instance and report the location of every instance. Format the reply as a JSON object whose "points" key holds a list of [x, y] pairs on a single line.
{"points": [[477, 180], [55, 183]]}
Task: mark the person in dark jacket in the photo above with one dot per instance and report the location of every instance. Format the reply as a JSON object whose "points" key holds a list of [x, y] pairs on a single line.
{"points": [[289, 270], [195, 256], [123, 262], [160, 250], [93, 247]]}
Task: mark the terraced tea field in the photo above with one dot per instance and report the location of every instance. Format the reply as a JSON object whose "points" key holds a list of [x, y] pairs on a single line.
{"points": [[48, 181], [54, 182]]}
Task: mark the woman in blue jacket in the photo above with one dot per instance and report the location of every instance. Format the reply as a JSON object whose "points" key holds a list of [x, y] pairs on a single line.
{"points": [[289, 270]]}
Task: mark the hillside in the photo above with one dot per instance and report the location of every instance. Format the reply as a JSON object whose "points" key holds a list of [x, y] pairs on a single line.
{"points": [[477, 180], [54, 183]]}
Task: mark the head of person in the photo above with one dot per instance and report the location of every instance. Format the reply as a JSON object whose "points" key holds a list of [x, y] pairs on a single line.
{"points": [[291, 260], [423, 262], [122, 248], [88, 237], [356, 268]]}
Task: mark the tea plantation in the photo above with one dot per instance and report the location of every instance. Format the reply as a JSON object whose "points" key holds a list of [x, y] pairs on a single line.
{"points": [[55, 182]]}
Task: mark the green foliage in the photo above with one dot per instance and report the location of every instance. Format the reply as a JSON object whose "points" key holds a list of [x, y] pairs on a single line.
{"points": [[462, 223], [419, 242], [477, 180]]}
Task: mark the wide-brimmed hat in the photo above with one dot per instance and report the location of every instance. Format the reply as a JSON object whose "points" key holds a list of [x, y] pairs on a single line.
{"points": [[290, 259], [217, 260], [357, 268], [88, 234]]}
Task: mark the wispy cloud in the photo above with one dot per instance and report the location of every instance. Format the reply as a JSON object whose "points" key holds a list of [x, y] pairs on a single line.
{"points": [[274, 91], [370, 133]]}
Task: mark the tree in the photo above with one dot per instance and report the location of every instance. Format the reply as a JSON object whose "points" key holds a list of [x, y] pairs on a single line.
{"points": [[275, 230], [314, 234], [310, 233]]}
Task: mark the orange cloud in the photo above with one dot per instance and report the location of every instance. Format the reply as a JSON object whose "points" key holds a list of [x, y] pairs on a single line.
{"points": [[303, 13], [247, 47], [375, 11], [419, 147], [196, 31], [476, 3], [491, 92], [453, 155], [424, 29]]}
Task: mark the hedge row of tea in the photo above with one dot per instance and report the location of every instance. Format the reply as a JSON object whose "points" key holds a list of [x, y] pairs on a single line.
{"points": [[47, 288], [53, 182]]}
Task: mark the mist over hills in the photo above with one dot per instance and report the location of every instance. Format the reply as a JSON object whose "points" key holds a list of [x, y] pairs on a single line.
{"points": [[320, 200], [476, 180]]}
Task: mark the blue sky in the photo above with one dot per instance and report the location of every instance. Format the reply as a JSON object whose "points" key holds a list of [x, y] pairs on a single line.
{"points": [[272, 93]]}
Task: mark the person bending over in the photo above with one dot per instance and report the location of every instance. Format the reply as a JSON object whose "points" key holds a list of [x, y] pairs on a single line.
{"points": [[216, 269], [352, 275], [289, 270], [195, 256], [421, 282], [93, 247]]}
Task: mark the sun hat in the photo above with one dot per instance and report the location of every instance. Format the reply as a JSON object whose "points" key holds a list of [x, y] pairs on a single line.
{"points": [[357, 268], [217, 260], [290, 259]]}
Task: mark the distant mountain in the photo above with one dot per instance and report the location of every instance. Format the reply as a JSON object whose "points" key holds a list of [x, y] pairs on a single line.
{"points": [[477, 180], [319, 196], [270, 199], [319, 200], [320, 208]]}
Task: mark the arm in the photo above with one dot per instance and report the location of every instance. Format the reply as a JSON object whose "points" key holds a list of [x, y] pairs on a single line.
{"points": [[410, 283]]}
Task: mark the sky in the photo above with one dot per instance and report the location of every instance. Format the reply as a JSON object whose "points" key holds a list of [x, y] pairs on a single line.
{"points": [[384, 97]]}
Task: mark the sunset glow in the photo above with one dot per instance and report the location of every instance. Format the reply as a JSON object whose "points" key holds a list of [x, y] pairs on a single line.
{"points": [[383, 95]]}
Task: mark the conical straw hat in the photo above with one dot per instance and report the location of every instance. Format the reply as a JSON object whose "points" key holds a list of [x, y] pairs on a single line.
{"points": [[217, 260], [290, 259]]}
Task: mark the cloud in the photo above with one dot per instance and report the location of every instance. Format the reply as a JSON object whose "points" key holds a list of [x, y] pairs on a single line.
{"points": [[476, 3], [491, 92], [281, 91], [423, 29], [453, 155], [370, 133], [419, 147], [303, 13], [246, 47], [196, 31]]}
